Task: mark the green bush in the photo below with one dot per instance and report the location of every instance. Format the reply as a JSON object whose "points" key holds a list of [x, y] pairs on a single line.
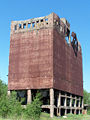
{"points": [[14, 106], [33, 110]]}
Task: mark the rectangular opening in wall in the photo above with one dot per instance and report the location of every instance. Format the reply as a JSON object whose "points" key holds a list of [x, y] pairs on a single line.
{"points": [[33, 24], [29, 25], [41, 20], [24, 25], [37, 21], [73, 102], [68, 101], [46, 19], [15, 27], [20, 26]]}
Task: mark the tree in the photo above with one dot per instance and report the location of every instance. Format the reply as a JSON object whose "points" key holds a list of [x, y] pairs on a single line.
{"points": [[33, 110], [86, 96]]}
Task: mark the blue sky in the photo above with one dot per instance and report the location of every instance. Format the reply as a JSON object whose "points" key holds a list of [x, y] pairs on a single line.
{"points": [[77, 12]]}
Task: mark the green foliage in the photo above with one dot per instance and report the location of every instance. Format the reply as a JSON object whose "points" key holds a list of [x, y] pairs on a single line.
{"points": [[33, 110], [86, 97], [9, 106], [87, 100], [3, 89], [14, 105]]}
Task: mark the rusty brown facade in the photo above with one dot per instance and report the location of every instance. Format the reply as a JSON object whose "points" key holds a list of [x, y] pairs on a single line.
{"points": [[41, 58]]}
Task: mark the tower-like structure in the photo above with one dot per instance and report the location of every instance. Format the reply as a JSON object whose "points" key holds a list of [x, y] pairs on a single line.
{"points": [[43, 57]]}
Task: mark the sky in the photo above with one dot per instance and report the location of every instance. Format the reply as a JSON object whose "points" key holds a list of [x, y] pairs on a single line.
{"points": [[77, 12]]}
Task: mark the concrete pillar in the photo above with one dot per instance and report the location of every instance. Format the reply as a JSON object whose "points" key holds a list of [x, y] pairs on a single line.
{"points": [[65, 102], [70, 110], [29, 96], [79, 112], [79, 103], [75, 111], [75, 103], [65, 111], [59, 104], [70, 100], [51, 102], [8, 92], [82, 103]]}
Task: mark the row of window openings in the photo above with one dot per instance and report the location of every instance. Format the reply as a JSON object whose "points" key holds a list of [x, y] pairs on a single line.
{"points": [[29, 24]]}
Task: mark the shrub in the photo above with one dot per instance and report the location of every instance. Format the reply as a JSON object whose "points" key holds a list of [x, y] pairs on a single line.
{"points": [[33, 110]]}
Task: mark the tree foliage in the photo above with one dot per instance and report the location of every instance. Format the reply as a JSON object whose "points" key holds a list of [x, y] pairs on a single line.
{"points": [[33, 110], [11, 107], [86, 96]]}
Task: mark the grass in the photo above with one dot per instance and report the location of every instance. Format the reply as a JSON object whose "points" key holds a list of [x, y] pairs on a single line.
{"points": [[45, 116]]}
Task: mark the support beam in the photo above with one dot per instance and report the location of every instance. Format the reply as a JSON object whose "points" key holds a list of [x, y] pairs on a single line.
{"points": [[59, 104], [65, 111], [65, 101], [79, 103], [51, 102], [65, 104], [8, 92], [75, 105], [82, 103], [71, 101], [29, 96]]}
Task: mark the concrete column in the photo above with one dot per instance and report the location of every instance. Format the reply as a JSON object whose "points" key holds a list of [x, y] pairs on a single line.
{"points": [[75, 111], [79, 103], [51, 102], [29, 96], [82, 103], [65, 102], [70, 110], [75, 103], [70, 100], [59, 104], [79, 111], [8, 92], [65, 111]]}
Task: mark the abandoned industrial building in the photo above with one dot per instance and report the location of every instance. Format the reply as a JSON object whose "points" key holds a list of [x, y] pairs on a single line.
{"points": [[44, 56]]}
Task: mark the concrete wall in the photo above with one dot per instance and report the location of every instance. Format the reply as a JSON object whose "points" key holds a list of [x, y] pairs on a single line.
{"points": [[30, 60], [67, 68], [40, 57]]}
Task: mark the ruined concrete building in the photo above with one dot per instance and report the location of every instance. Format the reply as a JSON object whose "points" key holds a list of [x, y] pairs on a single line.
{"points": [[44, 58]]}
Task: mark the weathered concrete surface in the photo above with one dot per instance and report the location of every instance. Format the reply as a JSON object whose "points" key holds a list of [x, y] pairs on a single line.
{"points": [[41, 58]]}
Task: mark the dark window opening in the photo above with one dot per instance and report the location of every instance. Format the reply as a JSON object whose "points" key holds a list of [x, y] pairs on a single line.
{"points": [[29, 25], [77, 103], [68, 111], [15, 27], [20, 26], [68, 101], [37, 21], [33, 24], [73, 102], [46, 19], [42, 20], [22, 97], [46, 110], [73, 111], [62, 101], [77, 111], [62, 112], [24, 26]]}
